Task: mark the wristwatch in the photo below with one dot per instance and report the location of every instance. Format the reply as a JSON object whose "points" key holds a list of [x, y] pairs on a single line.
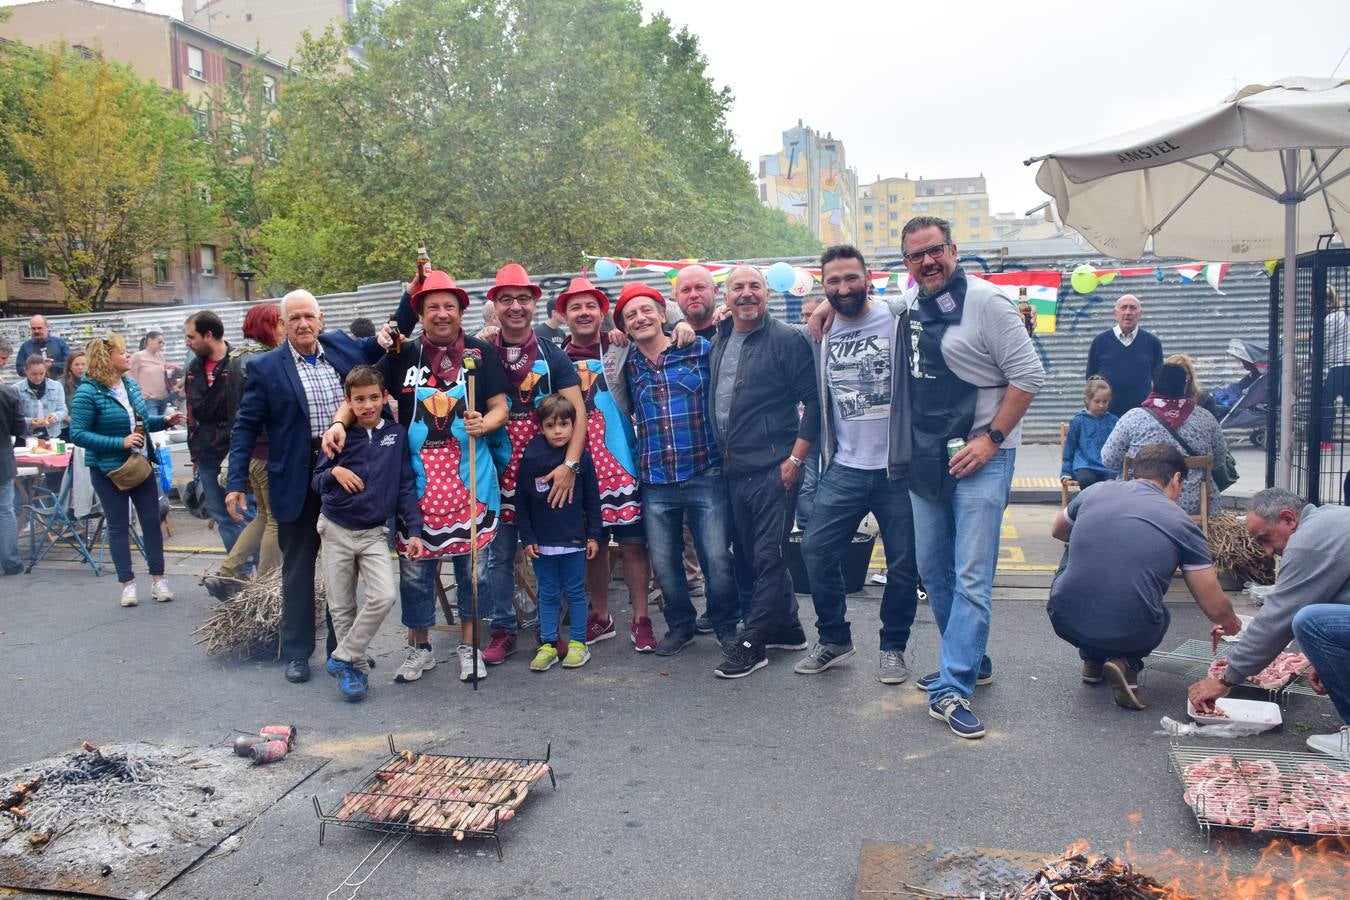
{"points": [[574, 466], [996, 436], [797, 462]]}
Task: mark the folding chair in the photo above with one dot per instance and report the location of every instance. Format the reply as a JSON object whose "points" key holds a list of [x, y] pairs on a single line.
{"points": [[49, 513]]}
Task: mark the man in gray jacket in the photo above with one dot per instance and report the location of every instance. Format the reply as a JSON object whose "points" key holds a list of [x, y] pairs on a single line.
{"points": [[1310, 601]]}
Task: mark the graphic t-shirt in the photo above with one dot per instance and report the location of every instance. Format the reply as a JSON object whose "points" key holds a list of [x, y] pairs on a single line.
{"points": [[551, 372], [858, 359]]}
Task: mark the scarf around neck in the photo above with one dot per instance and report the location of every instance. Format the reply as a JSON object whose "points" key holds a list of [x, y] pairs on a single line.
{"points": [[444, 361], [519, 358], [1174, 412]]}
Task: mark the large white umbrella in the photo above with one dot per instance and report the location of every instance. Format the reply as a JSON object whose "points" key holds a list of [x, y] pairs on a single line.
{"points": [[1259, 176]]}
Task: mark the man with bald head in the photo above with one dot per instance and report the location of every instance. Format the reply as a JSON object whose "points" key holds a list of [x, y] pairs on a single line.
{"points": [[43, 343], [762, 370], [293, 393], [696, 295], [1127, 356]]}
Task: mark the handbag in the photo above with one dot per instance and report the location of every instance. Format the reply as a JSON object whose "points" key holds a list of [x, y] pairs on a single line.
{"points": [[131, 473], [1224, 471]]}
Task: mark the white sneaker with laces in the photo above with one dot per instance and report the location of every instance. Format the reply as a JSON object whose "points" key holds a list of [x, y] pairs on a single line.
{"points": [[1336, 744], [466, 663], [161, 590], [129, 594], [418, 660]]}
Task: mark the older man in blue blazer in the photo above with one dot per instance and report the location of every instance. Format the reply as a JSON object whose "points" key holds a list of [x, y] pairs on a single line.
{"points": [[292, 393]]}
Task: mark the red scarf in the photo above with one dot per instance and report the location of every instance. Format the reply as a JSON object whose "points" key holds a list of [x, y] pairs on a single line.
{"points": [[1174, 412], [576, 352], [518, 359], [444, 361]]}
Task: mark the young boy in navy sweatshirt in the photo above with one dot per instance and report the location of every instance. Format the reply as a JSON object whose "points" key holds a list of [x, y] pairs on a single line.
{"points": [[560, 540], [370, 479]]}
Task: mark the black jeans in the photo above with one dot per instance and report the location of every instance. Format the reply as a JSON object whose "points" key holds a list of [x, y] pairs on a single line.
{"points": [[299, 542], [761, 517], [117, 516], [1086, 478]]}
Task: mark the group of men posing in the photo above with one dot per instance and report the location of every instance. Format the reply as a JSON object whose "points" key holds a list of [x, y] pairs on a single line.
{"points": [[706, 428]]}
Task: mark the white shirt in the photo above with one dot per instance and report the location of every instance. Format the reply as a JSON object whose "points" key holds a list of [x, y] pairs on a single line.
{"points": [[1126, 339], [859, 356]]}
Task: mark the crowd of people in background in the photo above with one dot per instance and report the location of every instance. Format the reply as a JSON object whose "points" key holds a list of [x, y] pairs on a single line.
{"points": [[692, 432]]}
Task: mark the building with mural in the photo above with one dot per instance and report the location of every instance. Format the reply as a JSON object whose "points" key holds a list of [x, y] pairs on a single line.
{"points": [[810, 182], [887, 203]]}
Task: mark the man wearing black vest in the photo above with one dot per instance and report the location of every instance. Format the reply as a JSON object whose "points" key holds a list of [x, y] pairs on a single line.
{"points": [[1127, 356]]}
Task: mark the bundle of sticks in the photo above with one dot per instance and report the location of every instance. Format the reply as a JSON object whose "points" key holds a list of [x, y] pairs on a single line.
{"points": [[444, 793], [1233, 549], [1078, 876], [249, 623]]}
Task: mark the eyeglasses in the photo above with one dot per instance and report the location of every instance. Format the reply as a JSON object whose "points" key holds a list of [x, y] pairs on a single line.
{"points": [[525, 300], [934, 251]]}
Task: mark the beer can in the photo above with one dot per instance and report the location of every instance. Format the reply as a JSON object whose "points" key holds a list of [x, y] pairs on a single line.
{"points": [[243, 745], [285, 733], [954, 446], [268, 751]]}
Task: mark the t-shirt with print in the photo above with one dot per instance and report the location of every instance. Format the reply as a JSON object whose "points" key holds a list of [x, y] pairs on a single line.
{"points": [[552, 371], [859, 355]]}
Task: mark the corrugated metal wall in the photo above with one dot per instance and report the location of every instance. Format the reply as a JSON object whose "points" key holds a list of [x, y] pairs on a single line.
{"points": [[1188, 318]]}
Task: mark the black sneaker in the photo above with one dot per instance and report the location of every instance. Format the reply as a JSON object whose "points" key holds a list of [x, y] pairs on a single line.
{"points": [[702, 625], [740, 659], [727, 640], [673, 642], [793, 638]]}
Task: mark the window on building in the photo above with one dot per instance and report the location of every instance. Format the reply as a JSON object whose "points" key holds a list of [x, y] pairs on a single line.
{"points": [[195, 65], [894, 216], [204, 193], [269, 89], [202, 121], [974, 221], [950, 204], [974, 204], [895, 232], [238, 142], [163, 273], [208, 258], [128, 275], [870, 242], [33, 269], [867, 209], [947, 190], [867, 226], [893, 198], [236, 70]]}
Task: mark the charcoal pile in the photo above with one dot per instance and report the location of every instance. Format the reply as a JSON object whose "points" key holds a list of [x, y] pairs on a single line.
{"points": [[248, 624], [1078, 876]]}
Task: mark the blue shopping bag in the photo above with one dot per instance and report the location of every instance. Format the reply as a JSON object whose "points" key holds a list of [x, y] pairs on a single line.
{"points": [[165, 462]]}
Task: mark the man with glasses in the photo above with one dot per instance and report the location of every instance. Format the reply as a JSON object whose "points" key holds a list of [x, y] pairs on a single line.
{"points": [[973, 372]]}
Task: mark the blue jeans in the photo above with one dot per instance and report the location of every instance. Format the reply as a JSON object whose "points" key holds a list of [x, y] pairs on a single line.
{"points": [[1323, 632], [957, 542], [214, 496], [806, 494], [843, 496], [561, 576], [417, 591], [501, 578], [117, 506], [10, 561], [700, 502]]}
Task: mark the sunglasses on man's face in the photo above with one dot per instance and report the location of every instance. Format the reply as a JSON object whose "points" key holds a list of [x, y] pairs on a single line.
{"points": [[918, 256]]}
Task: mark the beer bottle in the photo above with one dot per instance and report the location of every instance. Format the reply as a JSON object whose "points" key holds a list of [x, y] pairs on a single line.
{"points": [[397, 345], [145, 438], [423, 259], [1024, 307]]}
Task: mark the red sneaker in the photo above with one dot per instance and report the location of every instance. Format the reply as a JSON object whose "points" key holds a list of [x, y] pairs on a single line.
{"points": [[598, 629], [641, 633], [500, 645]]}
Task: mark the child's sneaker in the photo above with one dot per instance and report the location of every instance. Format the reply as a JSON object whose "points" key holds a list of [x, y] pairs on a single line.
{"points": [[578, 654], [352, 684], [545, 659]]}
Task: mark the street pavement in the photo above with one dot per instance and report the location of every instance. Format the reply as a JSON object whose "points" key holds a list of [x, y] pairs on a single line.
{"points": [[671, 783]]}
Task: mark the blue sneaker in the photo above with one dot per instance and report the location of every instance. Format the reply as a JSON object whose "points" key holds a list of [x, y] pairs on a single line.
{"points": [[927, 681], [955, 711], [336, 667], [352, 684]]}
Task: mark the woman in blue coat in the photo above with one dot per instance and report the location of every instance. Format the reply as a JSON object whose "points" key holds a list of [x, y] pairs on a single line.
{"points": [[104, 415]]}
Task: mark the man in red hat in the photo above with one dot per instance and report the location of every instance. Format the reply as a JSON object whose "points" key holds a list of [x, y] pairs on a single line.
{"points": [[680, 467], [534, 369], [427, 379], [609, 437]]}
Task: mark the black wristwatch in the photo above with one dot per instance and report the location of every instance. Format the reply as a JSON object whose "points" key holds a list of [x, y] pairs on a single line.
{"points": [[574, 466], [996, 436]]}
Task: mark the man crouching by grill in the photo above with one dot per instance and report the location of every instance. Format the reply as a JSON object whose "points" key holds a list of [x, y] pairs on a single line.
{"points": [[1126, 538]]}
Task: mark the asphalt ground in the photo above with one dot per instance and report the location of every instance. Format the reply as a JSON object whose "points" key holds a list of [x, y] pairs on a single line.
{"points": [[671, 782]]}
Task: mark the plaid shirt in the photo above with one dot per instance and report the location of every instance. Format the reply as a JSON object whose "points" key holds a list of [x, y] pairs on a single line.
{"points": [[323, 390], [670, 402]]}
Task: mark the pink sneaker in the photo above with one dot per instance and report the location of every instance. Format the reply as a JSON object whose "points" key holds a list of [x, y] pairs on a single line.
{"points": [[500, 645], [641, 633], [598, 629]]}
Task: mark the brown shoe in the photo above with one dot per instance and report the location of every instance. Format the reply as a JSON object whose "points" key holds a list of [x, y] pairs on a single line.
{"points": [[1092, 671], [1124, 683]]}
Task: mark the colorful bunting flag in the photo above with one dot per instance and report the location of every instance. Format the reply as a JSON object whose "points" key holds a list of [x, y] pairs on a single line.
{"points": [[1042, 292]]}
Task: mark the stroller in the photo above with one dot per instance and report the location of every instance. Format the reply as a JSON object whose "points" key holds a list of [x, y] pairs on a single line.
{"points": [[1244, 404]]}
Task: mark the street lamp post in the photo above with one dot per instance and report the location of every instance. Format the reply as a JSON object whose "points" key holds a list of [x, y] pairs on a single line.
{"points": [[245, 274]]}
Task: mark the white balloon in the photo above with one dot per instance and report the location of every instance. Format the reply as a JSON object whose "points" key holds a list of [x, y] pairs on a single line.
{"points": [[802, 286]]}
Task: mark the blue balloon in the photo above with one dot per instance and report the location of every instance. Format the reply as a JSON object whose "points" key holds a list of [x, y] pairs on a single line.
{"points": [[606, 269], [780, 277]]}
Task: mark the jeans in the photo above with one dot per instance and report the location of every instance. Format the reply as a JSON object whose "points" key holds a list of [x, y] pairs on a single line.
{"points": [[559, 577], [1133, 649], [700, 502], [299, 541], [417, 590], [957, 542], [806, 493], [10, 561], [155, 407], [501, 578], [1323, 632], [761, 513], [843, 496], [117, 514], [214, 496], [1086, 478], [1337, 384]]}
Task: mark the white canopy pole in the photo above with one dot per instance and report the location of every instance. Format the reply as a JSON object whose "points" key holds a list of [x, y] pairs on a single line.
{"points": [[1285, 475]]}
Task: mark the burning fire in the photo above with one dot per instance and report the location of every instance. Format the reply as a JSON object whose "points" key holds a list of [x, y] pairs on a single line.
{"points": [[1285, 871]]}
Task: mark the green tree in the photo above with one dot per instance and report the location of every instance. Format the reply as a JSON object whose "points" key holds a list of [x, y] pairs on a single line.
{"points": [[98, 169], [530, 130]]}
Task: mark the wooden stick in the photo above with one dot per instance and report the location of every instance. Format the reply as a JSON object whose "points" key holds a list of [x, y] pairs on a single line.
{"points": [[470, 378]]}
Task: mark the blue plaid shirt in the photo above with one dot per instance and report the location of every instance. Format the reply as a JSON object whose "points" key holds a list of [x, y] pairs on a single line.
{"points": [[323, 389], [671, 404]]}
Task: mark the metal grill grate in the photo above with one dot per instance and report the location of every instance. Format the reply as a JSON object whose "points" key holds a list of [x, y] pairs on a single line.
{"points": [[1192, 660]]}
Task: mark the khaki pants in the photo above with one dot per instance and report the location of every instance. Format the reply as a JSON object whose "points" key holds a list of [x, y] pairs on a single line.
{"points": [[347, 554], [260, 534]]}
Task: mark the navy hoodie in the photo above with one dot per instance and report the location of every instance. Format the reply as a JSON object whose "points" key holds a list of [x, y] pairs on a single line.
{"points": [[572, 524], [379, 457]]}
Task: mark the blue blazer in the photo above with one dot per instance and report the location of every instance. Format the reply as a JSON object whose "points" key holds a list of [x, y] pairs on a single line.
{"points": [[274, 400]]}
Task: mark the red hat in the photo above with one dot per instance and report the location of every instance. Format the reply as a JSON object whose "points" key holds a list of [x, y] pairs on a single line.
{"points": [[634, 289], [513, 275], [439, 281], [580, 286]]}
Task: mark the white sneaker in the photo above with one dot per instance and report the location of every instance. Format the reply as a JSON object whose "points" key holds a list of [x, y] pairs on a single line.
{"points": [[417, 661], [161, 590], [466, 663], [129, 594], [1336, 744]]}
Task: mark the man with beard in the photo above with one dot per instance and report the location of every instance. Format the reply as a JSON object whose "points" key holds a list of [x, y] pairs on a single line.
{"points": [[206, 387], [861, 470], [534, 369], [973, 372], [762, 371], [696, 295], [609, 437]]}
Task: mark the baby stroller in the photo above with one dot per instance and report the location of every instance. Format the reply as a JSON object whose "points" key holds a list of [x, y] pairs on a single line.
{"points": [[1244, 404]]}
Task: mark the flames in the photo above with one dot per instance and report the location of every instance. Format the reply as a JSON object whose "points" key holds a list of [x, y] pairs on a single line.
{"points": [[1286, 870]]}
